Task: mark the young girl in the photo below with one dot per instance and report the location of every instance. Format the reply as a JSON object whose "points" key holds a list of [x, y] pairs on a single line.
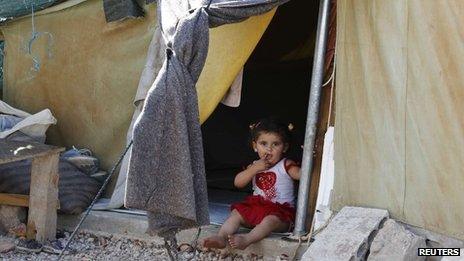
{"points": [[271, 207]]}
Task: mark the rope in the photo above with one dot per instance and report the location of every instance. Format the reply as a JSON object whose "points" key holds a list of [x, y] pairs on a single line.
{"points": [[312, 233], [34, 36], [332, 87], [301, 239], [94, 200], [331, 75]]}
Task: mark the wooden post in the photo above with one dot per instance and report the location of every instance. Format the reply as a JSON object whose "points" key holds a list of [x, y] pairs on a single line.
{"points": [[319, 146], [326, 117], [43, 198]]}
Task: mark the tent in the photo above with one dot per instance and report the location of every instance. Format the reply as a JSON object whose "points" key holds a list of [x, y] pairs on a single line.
{"points": [[86, 70], [399, 127], [398, 138]]}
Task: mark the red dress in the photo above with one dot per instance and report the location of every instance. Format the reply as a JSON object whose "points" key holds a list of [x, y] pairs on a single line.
{"points": [[273, 194]]}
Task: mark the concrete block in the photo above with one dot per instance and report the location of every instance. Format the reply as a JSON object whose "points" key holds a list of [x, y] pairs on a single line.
{"points": [[347, 236], [394, 242]]}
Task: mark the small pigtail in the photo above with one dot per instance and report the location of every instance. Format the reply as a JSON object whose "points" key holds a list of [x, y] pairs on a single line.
{"points": [[254, 125], [290, 127]]}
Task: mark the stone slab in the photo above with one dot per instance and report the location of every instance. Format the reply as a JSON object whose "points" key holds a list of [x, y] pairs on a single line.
{"points": [[347, 236], [394, 242]]}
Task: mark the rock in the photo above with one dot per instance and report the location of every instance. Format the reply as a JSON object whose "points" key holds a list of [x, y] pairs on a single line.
{"points": [[6, 246], [394, 242], [347, 236], [118, 245], [11, 216], [102, 242]]}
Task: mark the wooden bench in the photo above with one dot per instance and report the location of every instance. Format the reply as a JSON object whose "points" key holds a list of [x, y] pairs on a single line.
{"points": [[43, 195]]}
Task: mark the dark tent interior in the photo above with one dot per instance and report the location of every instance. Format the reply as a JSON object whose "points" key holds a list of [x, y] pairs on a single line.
{"points": [[276, 83]]}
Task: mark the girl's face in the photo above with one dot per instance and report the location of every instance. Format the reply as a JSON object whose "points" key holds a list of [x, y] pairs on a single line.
{"points": [[270, 146]]}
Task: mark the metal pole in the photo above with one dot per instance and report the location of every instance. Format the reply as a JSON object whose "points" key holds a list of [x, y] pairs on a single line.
{"points": [[312, 117]]}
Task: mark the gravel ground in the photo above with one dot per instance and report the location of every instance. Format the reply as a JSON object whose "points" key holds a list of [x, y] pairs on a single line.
{"points": [[87, 246]]}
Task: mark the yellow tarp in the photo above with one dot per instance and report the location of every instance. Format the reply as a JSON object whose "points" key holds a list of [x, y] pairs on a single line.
{"points": [[90, 79], [399, 135]]}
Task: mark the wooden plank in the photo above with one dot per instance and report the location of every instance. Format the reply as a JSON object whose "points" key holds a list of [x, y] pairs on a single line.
{"points": [[14, 200], [322, 125], [14, 150], [41, 223]]}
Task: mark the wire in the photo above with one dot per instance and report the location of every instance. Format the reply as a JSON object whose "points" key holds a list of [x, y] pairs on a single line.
{"points": [[95, 199]]}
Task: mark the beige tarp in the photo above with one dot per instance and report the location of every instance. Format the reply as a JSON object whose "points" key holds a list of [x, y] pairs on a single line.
{"points": [[90, 78], [399, 140]]}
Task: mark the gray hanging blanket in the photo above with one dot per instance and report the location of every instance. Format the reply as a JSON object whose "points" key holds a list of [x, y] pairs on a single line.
{"points": [[166, 171]]}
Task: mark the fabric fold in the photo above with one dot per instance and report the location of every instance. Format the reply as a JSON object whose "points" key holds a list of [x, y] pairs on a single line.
{"points": [[166, 171]]}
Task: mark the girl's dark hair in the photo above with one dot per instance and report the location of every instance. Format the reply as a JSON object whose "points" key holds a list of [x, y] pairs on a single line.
{"points": [[267, 125]]}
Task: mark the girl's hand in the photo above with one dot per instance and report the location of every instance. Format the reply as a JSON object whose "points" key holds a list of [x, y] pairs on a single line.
{"points": [[246, 176], [262, 164]]}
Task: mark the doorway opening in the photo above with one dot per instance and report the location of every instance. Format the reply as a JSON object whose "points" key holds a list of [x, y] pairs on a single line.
{"points": [[276, 82]]}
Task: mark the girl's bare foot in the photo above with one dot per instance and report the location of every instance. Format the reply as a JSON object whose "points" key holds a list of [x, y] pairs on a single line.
{"points": [[214, 242], [238, 241]]}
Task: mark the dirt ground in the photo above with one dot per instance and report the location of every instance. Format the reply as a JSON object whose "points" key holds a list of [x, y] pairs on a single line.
{"points": [[87, 246]]}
